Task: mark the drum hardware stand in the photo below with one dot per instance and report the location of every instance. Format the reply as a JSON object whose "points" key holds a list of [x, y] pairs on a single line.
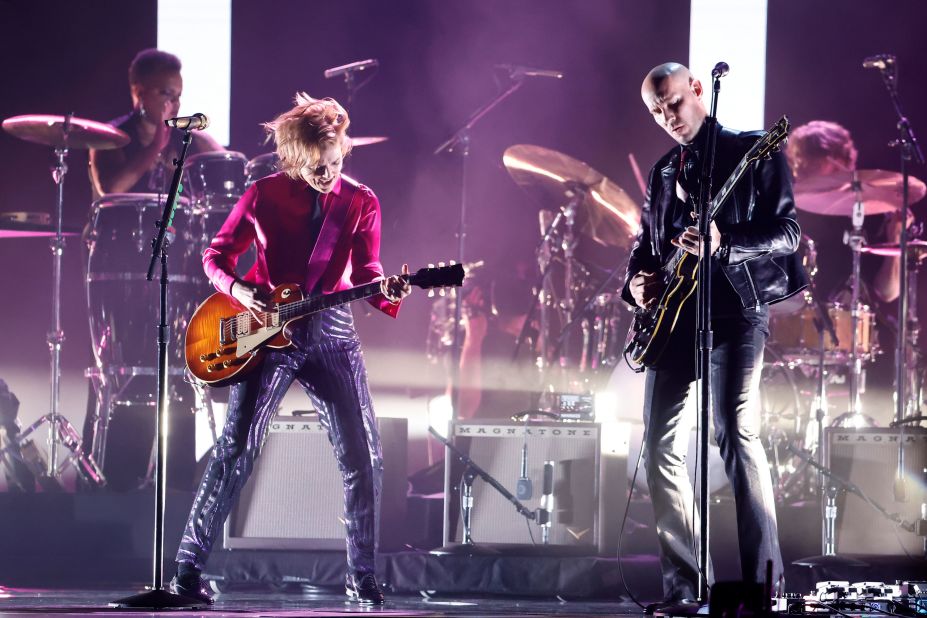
{"points": [[539, 299], [60, 431], [460, 140], [157, 597], [856, 240], [909, 149]]}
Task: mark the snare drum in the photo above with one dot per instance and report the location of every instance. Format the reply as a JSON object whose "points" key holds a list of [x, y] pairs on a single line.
{"points": [[797, 341], [261, 166], [122, 303], [216, 179]]}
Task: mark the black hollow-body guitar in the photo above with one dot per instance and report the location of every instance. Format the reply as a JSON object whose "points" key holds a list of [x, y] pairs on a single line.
{"points": [[651, 328]]}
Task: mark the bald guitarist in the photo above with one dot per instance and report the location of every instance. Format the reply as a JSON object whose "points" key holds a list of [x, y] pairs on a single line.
{"points": [[753, 238]]}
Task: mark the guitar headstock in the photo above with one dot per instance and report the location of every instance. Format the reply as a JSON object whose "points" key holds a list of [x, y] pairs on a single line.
{"points": [[771, 142], [441, 276]]}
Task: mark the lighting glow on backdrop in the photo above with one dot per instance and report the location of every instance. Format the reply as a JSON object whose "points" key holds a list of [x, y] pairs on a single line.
{"points": [[200, 33], [733, 31]]}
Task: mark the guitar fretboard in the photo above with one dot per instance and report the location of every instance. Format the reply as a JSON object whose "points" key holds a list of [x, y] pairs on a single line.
{"points": [[246, 322]]}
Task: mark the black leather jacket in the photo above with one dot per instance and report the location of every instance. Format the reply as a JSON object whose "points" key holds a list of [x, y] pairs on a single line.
{"points": [[758, 223]]}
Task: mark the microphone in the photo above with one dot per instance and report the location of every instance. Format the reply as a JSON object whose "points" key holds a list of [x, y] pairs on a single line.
{"points": [[351, 68], [523, 488], [879, 61], [547, 502], [516, 70], [196, 122], [721, 69]]}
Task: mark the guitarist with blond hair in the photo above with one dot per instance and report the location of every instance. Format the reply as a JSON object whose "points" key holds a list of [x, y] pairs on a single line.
{"points": [[754, 237], [310, 225]]}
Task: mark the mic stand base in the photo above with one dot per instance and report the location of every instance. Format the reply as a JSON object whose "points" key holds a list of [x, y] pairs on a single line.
{"points": [[465, 549], [513, 549], [830, 561], [157, 599]]}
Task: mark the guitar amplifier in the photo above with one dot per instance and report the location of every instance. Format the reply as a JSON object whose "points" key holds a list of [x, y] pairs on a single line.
{"points": [[588, 489], [868, 458], [294, 498]]}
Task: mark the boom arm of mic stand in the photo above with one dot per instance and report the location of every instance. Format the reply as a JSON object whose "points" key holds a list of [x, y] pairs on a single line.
{"points": [[168, 215], [461, 134], [483, 474], [849, 486]]}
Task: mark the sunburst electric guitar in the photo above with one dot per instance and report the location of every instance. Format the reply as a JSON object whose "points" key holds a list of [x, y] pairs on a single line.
{"points": [[652, 327], [225, 341]]}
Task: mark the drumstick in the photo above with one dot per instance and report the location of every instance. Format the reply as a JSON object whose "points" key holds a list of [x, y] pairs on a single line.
{"points": [[637, 175]]}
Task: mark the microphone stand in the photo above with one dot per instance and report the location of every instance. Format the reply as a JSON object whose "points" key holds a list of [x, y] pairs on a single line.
{"points": [[704, 333], [910, 149], [471, 471], [460, 140], [157, 598]]}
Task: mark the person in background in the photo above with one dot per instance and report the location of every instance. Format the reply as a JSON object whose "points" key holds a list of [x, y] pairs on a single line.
{"points": [[145, 165]]}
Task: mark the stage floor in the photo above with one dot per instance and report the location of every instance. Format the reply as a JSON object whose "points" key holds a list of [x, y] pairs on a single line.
{"points": [[263, 602]]}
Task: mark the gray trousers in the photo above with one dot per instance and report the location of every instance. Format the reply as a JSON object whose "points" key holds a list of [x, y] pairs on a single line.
{"points": [[736, 363]]}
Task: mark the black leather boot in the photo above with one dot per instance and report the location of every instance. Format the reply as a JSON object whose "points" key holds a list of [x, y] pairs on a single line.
{"points": [[363, 588], [192, 587]]}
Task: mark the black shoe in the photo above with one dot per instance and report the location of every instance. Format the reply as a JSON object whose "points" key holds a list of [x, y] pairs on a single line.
{"points": [[192, 588], [363, 589], [684, 607]]}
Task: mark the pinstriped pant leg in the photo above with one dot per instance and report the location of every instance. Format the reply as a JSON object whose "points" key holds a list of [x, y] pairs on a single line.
{"points": [[252, 403], [335, 378]]}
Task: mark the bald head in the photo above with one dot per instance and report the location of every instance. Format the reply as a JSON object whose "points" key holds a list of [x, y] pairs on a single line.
{"points": [[667, 71], [674, 99]]}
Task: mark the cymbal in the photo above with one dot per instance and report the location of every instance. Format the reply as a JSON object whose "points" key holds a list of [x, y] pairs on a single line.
{"points": [[82, 133], [916, 247], [367, 141], [833, 194], [30, 225], [608, 215]]}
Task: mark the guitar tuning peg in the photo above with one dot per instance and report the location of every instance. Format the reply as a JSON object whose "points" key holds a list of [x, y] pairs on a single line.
{"points": [[442, 292], [453, 262], [431, 293], [441, 264], [431, 265]]}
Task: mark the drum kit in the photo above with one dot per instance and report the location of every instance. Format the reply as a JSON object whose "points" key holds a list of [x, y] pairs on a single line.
{"points": [[820, 338], [122, 304]]}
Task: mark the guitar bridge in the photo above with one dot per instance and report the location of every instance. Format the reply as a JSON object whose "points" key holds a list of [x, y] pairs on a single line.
{"points": [[226, 334]]}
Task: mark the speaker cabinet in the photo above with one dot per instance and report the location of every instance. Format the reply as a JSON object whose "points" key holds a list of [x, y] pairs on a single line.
{"points": [[587, 490], [868, 458], [294, 498]]}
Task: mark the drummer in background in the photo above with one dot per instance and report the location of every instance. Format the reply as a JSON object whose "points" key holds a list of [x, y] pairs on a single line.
{"points": [[820, 148], [145, 165]]}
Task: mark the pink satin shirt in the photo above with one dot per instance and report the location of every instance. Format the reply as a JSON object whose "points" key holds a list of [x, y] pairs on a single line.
{"points": [[275, 214]]}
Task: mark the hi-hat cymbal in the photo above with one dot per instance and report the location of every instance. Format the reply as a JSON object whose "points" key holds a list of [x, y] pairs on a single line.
{"points": [[367, 141], [833, 194], [915, 247], [49, 130], [609, 215]]}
